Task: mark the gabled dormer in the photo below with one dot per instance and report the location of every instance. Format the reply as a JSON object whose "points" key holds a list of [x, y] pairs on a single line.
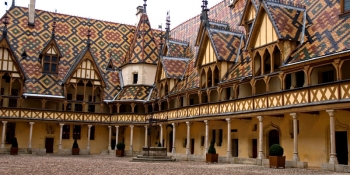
{"points": [[277, 29], [248, 16], [51, 54], [110, 66]]}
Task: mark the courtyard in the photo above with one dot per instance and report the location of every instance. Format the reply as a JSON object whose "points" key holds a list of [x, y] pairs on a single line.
{"points": [[103, 164]]}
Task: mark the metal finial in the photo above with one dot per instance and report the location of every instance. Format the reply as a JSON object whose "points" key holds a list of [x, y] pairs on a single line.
{"points": [[204, 15], [53, 27], [144, 6], [89, 34], [5, 22], [167, 28]]}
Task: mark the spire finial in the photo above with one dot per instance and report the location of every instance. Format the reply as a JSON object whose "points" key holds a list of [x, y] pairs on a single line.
{"points": [[13, 3], [144, 6], [53, 28], [167, 28], [204, 15], [5, 21], [89, 33]]}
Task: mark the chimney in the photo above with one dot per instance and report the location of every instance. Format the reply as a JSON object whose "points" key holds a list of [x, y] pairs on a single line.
{"points": [[139, 11], [31, 13]]}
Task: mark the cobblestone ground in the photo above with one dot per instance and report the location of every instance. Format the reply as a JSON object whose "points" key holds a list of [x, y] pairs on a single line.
{"points": [[98, 164]]}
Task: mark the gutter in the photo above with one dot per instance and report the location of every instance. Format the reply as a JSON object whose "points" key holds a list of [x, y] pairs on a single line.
{"points": [[40, 95]]}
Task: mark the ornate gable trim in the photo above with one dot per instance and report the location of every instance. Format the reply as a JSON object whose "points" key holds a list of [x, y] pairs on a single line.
{"points": [[4, 43], [86, 54]]}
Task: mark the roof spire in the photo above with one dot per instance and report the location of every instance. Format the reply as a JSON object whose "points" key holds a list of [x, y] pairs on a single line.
{"points": [[144, 6], [53, 28], [160, 27], [167, 28], [5, 22], [13, 4], [204, 15], [89, 34]]}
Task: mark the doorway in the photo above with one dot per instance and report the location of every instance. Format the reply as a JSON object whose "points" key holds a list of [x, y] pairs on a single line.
{"points": [[113, 144], [192, 146], [170, 147], [234, 147], [49, 145], [341, 142], [274, 138], [255, 148]]}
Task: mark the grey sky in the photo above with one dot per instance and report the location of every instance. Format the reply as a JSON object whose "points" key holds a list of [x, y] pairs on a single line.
{"points": [[121, 11]]}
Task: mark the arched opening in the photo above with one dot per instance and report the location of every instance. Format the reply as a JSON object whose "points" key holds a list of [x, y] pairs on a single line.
{"points": [[156, 107], [276, 59], [273, 138], [139, 109], [173, 103], [193, 99], [257, 65], [244, 90], [227, 94], [214, 96], [204, 97], [294, 80], [216, 76], [166, 89], [260, 87], [164, 105], [203, 79], [345, 70], [275, 84], [210, 78], [170, 147], [125, 108], [323, 74], [267, 62]]}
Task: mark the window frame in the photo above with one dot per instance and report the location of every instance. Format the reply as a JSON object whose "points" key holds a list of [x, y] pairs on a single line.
{"points": [[135, 79], [50, 62], [65, 131], [77, 132]]}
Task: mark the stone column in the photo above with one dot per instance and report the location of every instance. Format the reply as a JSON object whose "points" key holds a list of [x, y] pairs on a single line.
{"points": [[3, 134], [89, 133], [174, 138], [295, 133], [116, 136], [333, 158], [30, 134], [228, 138], [261, 152], [161, 134], [109, 137], [61, 130], [131, 136], [206, 136], [146, 134], [188, 138]]}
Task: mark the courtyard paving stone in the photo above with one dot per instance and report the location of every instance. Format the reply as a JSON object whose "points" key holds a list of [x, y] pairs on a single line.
{"points": [[102, 164]]}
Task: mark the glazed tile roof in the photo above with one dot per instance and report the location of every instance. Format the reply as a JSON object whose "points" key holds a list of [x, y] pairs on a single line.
{"points": [[175, 67], [177, 49], [240, 69], [134, 93], [143, 49], [109, 41]]}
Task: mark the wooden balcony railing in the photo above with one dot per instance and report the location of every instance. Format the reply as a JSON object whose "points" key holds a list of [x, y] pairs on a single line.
{"points": [[307, 96]]}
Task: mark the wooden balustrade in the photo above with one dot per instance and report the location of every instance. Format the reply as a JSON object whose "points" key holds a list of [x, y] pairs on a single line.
{"points": [[332, 92]]}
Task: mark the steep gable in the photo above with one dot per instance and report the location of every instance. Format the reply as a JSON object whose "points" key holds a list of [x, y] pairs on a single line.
{"points": [[8, 62]]}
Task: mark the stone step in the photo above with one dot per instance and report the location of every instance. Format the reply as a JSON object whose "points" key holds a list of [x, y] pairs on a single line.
{"points": [[153, 157], [135, 159]]}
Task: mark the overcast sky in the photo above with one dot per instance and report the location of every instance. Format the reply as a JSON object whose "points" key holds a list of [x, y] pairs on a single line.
{"points": [[121, 11]]}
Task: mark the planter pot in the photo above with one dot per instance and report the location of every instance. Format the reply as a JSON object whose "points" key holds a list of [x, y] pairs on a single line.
{"points": [[210, 158], [75, 151], [13, 151], [119, 153], [277, 161]]}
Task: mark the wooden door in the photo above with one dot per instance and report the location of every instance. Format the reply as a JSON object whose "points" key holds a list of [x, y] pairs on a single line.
{"points": [[255, 148], [49, 145], [234, 151], [192, 146], [341, 142]]}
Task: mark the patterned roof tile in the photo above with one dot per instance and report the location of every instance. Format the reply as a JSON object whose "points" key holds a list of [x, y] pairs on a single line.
{"points": [[134, 93], [174, 67]]}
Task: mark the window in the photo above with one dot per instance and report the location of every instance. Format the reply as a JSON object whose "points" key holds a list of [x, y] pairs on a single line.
{"points": [[213, 136], [135, 79], [91, 108], [76, 131], [13, 102], [79, 107], [202, 140], [50, 61], [10, 132], [345, 6], [92, 133], [66, 132]]}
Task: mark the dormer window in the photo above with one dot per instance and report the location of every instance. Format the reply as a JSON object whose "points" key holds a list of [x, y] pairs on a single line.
{"points": [[50, 60], [135, 78], [345, 6]]}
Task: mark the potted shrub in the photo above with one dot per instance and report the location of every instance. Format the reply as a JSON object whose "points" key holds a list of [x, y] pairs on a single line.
{"points": [[75, 148], [14, 147], [276, 158], [120, 149], [211, 156]]}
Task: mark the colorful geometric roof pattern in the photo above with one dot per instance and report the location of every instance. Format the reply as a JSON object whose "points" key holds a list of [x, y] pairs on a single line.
{"points": [[289, 21], [240, 69], [109, 41], [329, 32], [143, 49], [134, 93], [177, 49], [175, 67], [227, 44]]}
